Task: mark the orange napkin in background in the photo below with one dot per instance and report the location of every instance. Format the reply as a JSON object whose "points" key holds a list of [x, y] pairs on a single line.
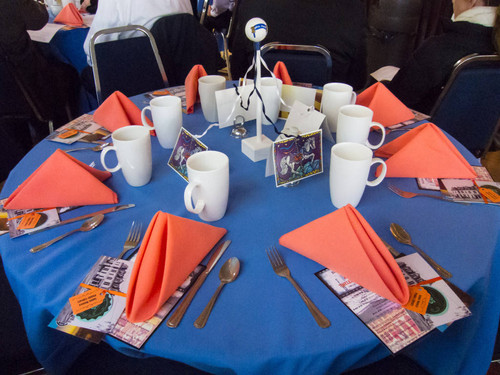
{"points": [[172, 248], [344, 242], [281, 72], [387, 109], [191, 84], [117, 111], [70, 16], [62, 181], [424, 152]]}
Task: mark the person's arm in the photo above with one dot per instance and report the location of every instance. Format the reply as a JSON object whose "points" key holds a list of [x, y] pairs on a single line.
{"points": [[34, 13]]}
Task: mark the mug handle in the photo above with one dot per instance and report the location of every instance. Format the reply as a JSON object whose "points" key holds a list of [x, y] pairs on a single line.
{"points": [[200, 204], [379, 179], [382, 128], [103, 156], [143, 117], [354, 98]]}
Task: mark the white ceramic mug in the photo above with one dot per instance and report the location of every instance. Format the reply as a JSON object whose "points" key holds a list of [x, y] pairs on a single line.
{"points": [[167, 119], [354, 124], [335, 95], [271, 97], [207, 86], [208, 175], [350, 165], [132, 145]]}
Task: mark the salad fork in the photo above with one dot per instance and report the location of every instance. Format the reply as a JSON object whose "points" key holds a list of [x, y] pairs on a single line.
{"points": [[281, 269], [133, 238]]}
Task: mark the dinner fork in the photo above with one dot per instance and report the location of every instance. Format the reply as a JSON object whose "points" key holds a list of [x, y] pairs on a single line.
{"points": [[134, 235], [407, 194], [282, 270]]}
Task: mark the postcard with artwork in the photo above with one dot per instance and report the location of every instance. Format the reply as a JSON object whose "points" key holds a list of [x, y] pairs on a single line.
{"points": [[109, 276], [81, 129], [185, 146], [297, 158]]}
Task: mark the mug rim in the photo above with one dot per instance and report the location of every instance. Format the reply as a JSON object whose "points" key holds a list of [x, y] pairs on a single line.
{"points": [[212, 79], [166, 98], [344, 87], [363, 153], [138, 131], [356, 110], [221, 162]]}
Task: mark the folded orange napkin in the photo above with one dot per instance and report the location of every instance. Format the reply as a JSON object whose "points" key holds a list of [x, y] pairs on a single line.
{"points": [[171, 249], [117, 111], [424, 152], [191, 84], [387, 109], [70, 16], [62, 181], [281, 72], [344, 242]]}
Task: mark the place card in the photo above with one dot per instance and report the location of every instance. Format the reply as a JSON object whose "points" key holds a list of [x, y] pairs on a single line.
{"points": [[297, 158], [234, 102], [185, 146]]}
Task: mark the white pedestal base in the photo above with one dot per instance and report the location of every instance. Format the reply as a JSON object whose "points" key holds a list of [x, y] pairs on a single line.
{"points": [[256, 150]]}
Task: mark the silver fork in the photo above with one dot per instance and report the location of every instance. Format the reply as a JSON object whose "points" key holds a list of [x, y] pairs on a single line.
{"points": [[134, 235], [282, 270], [408, 194]]}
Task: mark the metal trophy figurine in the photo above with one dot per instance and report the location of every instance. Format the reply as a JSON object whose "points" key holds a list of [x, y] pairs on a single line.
{"points": [[257, 148]]}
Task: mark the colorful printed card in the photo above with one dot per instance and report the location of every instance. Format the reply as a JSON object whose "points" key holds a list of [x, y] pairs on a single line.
{"points": [[185, 146], [297, 158], [82, 129]]}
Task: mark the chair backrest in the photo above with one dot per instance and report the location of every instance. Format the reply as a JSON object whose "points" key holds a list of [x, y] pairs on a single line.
{"points": [[131, 65], [469, 105], [305, 63], [182, 43]]}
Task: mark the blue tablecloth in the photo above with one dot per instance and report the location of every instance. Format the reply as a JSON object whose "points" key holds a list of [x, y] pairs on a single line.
{"points": [[259, 324]]}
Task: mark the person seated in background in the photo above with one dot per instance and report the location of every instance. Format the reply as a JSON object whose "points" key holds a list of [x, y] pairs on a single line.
{"points": [[219, 14], [115, 13], [51, 83], [89, 6], [337, 25], [421, 79]]}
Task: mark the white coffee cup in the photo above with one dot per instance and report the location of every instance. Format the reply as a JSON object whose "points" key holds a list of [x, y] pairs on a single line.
{"points": [[335, 95], [208, 175], [167, 119], [354, 124], [207, 86], [349, 169], [271, 94], [132, 145]]}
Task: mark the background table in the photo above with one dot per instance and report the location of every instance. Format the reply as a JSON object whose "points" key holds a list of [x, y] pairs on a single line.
{"points": [[259, 324]]}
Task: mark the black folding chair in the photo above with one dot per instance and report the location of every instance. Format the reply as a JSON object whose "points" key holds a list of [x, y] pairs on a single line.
{"points": [[131, 65], [305, 63], [469, 105]]}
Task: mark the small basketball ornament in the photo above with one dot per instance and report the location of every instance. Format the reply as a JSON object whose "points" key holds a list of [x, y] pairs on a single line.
{"points": [[256, 29]]}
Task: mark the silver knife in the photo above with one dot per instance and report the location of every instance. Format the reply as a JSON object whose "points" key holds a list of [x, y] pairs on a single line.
{"points": [[178, 314], [78, 218]]}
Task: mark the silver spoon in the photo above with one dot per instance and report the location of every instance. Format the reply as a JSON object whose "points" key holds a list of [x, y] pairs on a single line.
{"points": [[98, 147], [87, 225], [404, 237], [228, 273]]}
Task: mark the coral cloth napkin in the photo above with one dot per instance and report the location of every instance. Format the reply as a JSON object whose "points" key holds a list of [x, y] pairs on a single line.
{"points": [[191, 84], [118, 111], [281, 72], [62, 181], [424, 152], [387, 109], [70, 16], [344, 242], [172, 248]]}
